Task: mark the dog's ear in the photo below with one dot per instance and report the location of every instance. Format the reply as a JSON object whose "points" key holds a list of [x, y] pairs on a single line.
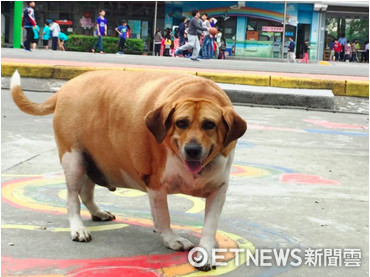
{"points": [[158, 121], [235, 125]]}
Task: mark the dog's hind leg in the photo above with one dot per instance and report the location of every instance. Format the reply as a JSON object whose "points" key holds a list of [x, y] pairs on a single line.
{"points": [[87, 197], [75, 174]]}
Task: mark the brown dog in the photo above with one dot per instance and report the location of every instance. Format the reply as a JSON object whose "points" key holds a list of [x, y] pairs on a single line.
{"points": [[156, 132]]}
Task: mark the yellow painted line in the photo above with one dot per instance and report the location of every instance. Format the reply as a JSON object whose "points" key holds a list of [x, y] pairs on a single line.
{"points": [[15, 193], [67, 72], [90, 228], [20, 226], [198, 203], [96, 228]]}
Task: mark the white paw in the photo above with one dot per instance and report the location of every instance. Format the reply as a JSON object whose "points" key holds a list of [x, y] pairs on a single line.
{"points": [[81, 234], [103, 216], [206, 255], [177, 243]]}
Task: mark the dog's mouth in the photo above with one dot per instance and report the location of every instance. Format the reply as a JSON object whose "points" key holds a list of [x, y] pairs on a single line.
{"points": [[194, 166]]}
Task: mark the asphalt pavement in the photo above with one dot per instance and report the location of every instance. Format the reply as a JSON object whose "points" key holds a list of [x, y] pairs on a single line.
{"points": [[299, 181]]}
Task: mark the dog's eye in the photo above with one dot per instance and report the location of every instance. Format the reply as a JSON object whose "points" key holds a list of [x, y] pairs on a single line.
{"points": [[208, 125], [182, 124]]}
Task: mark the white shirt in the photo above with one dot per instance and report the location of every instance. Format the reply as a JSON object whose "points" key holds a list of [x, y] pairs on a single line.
{"points": [[55, 28]]}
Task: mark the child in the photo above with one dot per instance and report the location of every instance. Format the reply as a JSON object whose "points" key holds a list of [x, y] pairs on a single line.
{"points": [[46, 35], [347, 51], [167, 45], [35, 40], [55, 29], [305, 51], [337, 49], [221, 50], [122, 31], [62, 38], [101, 30]]}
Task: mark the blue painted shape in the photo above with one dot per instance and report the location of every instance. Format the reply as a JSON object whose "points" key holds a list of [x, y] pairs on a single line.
{"points": [[336, 132]]}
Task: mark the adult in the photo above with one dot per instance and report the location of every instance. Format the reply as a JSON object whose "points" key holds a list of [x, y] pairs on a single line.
{"points": [[354, 51], [101, 30], [182, 28], [206, 37], [366, 52], [29, 23], [193, 40], [291, 47], [342, 41], [157, 42]]}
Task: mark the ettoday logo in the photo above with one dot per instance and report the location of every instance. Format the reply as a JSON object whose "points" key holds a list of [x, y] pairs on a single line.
{"points": [[198, 257]]}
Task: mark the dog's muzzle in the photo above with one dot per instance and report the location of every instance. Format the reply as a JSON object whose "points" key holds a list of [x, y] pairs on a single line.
{"points": [[193, 157]]}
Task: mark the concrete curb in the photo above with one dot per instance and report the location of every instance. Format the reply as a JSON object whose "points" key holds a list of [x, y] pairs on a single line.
{"points": [[342, 87], [287, 97]]}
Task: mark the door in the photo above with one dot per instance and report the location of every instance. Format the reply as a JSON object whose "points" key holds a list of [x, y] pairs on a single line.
{"points": [[302, 35]]}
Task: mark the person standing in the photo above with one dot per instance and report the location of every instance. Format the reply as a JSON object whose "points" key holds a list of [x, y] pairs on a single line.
{"points": [[193, 41], [29, 23], [55, 30], [337, 49], [46, 35], [305, 52], [157, 42], [332, 52], [342, 41], [101, 30], [35, 40], [354, 51], [182, 28], [291, 47], [206, 37], [347, 52], [122, 31], [366, 52]]}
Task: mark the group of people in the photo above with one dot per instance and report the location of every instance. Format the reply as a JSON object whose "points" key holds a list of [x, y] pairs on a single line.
{"points": [[101, 30], [291, 51], [343, 50], [51, 30], [191, 39]]}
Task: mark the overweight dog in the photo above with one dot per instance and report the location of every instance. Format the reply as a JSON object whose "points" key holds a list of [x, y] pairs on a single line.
{"points": [[156, 132]]}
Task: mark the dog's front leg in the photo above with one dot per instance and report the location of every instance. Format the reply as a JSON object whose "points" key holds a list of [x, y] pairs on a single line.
{"points": [[161, 219], [214, 204]]}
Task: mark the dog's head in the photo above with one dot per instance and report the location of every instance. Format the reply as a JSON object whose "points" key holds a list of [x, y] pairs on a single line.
{"points": [[196, 129]]}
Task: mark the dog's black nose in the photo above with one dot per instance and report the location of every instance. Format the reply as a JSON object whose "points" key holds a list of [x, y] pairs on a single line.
{"points": [[193, 151]]}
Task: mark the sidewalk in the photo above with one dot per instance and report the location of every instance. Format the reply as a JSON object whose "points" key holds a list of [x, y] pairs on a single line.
{"points": [[66, 65]]}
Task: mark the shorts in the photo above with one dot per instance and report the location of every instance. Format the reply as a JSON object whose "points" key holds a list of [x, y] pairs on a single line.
{"points": [[45, 42], [35, 40]]}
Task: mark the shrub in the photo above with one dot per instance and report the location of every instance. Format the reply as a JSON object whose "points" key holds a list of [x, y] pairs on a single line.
{"points": [[81, 43]]}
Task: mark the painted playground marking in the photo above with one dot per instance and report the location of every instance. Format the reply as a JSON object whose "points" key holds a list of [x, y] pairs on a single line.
{"points": [[29, 193]]}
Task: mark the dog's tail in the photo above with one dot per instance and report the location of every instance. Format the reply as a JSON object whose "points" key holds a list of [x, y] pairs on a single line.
{"points": [[27, 105]]}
